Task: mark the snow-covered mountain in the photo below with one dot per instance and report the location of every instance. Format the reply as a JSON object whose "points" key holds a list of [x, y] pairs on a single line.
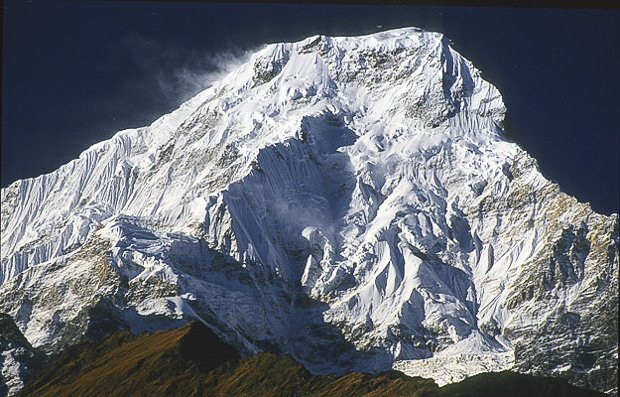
{"points": [[351, 201]]}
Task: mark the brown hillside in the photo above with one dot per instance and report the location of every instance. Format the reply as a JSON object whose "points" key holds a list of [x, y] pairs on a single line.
{"points": [[192, 361], [180, 362], [267, 374], [162, 363]]}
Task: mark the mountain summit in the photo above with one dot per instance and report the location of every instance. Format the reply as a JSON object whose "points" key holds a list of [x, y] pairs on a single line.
{"points": [[350, 201]]}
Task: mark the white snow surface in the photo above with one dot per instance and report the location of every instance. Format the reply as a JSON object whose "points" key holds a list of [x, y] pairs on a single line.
{"points": [[357, 189]]}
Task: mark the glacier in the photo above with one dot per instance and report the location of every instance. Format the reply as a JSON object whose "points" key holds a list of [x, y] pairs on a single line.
{"points": [[351, 201]]}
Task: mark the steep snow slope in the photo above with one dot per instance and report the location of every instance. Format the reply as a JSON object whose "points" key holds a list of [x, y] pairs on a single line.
{"points": [[351, 201]]}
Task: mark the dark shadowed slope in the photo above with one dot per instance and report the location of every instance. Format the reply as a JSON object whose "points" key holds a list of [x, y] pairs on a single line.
{"points": [[510, 384]]}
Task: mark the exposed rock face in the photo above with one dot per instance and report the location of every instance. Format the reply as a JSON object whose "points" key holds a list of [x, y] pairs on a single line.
{"points": [[350, 201]]}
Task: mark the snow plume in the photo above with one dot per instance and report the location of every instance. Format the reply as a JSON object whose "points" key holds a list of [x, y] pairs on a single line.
{"points": [[179, 72]]}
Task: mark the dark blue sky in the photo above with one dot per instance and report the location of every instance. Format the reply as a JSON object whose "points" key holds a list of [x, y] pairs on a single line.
{"points": [[76, 72]]}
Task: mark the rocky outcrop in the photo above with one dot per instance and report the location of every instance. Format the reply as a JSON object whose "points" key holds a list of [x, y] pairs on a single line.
{"points": [[18, 359]]}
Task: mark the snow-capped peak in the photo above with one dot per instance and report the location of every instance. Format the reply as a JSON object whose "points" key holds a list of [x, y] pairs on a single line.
{"points": [[352, 196]]}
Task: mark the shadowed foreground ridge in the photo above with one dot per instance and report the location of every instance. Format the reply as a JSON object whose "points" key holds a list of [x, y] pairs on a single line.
{"points": [[511, 384], [192, 361]]}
